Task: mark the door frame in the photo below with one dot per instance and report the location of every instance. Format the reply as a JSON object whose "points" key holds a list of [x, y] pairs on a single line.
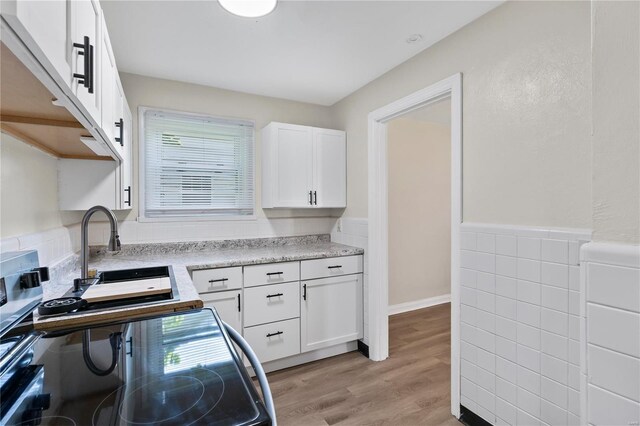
{"points": [[378, 257]]}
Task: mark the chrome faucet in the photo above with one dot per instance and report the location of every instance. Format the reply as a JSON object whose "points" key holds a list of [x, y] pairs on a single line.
{"points": [[114, 240]]}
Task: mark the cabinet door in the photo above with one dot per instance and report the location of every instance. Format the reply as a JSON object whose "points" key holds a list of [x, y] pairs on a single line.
{"points": [[86, 22], [228, 305], [42, 26], [109, 106], [331, 311], [292, 165], [127, 156], [329, 168]]}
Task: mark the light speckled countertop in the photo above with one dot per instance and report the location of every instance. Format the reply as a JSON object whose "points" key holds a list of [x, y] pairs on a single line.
{"points": [[184, 258]]}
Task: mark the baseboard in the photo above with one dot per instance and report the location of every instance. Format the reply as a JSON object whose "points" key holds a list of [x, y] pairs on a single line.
{"points": [[469, 418], [292, 361], [419, 304], [363, 348]]}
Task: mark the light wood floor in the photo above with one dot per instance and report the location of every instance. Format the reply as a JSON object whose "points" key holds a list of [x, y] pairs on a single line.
{"points": [[411, 387]]}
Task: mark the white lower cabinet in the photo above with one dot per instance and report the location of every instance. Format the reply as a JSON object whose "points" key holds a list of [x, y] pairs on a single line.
{"points": [[228, 305], [284, 319], [331, 311], [274, 340]]}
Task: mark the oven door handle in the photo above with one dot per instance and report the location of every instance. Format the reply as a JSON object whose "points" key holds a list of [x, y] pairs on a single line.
{"points": [[257, 368], [15, 354]]}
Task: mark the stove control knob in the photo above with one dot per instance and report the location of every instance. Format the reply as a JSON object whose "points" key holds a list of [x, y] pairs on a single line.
{"points": [[30, 280]]}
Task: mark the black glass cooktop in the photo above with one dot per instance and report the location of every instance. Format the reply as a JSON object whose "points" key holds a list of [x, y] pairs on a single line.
{"points": [[176, 369]]}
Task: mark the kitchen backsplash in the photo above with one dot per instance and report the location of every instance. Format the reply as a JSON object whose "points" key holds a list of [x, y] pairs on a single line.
{"points": [[57, 244], [355, 232]]}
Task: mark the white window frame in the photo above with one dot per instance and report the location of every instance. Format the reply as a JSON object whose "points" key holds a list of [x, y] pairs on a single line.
{"points": [[142, 217]]}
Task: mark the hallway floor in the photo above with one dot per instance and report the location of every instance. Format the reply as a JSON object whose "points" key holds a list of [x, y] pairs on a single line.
{"points": [[411, 387]]}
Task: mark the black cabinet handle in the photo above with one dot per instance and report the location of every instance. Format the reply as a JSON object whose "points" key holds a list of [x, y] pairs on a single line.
{"points": [[219, 280], [269, 296], [128, 191], [130, 342], [310, 198], [85, 50], [120, 125], [274, 273], [334, 267], [238, 303], [275, 334], [304, 292], [315, 198], [90, 69]]}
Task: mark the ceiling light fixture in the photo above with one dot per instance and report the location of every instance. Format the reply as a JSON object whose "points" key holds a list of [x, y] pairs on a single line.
{"points": [[249, 8], [414, 38]]}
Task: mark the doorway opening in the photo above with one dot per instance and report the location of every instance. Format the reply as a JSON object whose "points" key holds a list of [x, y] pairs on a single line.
{"points": [[419, 209], [447, 91]]}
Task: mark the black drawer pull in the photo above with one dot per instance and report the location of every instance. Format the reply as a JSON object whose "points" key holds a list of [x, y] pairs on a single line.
{"points": [[274, 273], [311, 198], [275, 334], [304, 292], [238, 303], [220, 280], [269, 296], [334, 267]]}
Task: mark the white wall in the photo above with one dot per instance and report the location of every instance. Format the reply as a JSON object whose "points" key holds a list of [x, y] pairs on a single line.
{"points": [[526, 104], [153, 92], [616, 121], [419, 155], [28, 189]]}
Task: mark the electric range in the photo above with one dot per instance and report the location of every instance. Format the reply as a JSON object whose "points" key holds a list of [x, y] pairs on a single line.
{"points": [[174, 369]]}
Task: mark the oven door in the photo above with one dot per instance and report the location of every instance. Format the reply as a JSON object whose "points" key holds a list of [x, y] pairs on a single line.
{"points": [[23, 398]]}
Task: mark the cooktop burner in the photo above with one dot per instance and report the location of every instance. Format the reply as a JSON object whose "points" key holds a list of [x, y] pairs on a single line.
{"points": [[145, 399], [50, 420]]}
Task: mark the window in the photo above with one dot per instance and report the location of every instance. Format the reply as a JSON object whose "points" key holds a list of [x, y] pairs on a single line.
{"points": [[196, 165]]}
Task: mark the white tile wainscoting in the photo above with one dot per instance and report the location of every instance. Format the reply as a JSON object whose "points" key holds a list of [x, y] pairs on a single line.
{"points": [[611, 349], [520, 323]]}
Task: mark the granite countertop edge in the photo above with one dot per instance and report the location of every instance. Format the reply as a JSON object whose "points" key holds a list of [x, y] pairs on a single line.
{"points": [[182, 263]]}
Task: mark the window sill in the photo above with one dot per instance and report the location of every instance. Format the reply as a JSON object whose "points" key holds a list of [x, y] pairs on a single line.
{"points": [[143, 219]]}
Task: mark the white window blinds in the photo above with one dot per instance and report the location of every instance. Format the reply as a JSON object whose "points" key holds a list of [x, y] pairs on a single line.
{"points": [[197, 165]]}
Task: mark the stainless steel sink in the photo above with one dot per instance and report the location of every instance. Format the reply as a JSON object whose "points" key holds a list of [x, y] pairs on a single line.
{"points": [[121, 276]]}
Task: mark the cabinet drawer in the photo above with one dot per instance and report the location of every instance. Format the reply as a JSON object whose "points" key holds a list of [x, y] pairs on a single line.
{"points": [[330, 267], [220, 279], [271, 303], [276, 340], [271, 273]]}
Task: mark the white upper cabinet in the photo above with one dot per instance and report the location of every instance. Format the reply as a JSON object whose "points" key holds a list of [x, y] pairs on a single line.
{"points": [[86, 22], [108, 81], [329, 168], [126, 167], [42, 27], [65, 45], [303, 167]]}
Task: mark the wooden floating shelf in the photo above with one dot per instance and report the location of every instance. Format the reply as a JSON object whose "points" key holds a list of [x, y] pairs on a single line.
{"points": [[27, 113]]}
